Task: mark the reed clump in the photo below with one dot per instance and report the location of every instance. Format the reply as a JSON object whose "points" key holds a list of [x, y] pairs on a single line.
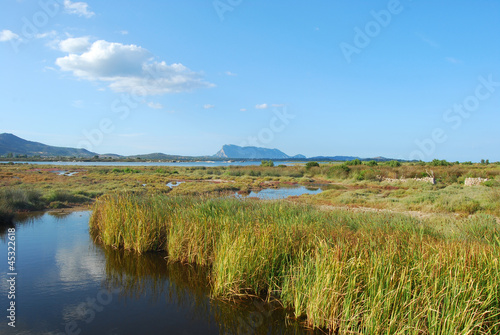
{"points": [[345, 272]]}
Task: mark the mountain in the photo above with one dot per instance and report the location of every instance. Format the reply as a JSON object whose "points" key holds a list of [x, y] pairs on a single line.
{"points": [[17, 146], [333, 158], [349, 158], [11, 144], [235, 151]]}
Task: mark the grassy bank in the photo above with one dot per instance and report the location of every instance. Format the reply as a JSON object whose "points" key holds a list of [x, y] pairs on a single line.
{"points": [[347, 272], [23, 199]]}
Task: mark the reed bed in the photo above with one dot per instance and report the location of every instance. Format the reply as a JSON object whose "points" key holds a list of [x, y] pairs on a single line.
{"points": [[369, 273]]}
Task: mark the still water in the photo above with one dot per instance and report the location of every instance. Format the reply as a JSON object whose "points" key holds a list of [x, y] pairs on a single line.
{"points": [[67, 284], [281, 193]]}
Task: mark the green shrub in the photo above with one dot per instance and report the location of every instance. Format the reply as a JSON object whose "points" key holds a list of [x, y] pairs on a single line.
{"points": [[311, 164], [393, 163], [20, 199], [268, 163], [126, 170], [254, 173], [371, 163], [491, 183], [339, 171], [57, 204], [360, 175], [437, 162], [272, 173], [353, 162], [65, 196]]}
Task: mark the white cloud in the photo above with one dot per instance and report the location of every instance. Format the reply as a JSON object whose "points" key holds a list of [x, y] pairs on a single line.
{"points": [[229, 73], [7, 35], [129, 68], [155, 105], [78, 264], [75, 45], [243, 110], [208, 106], [261, 106], [123, 32], [105, 61], [78, 8]]}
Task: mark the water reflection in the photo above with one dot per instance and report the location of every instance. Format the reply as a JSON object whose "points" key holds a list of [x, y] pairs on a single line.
{"points": [[63, 272], [187, 286], [280, 193]]}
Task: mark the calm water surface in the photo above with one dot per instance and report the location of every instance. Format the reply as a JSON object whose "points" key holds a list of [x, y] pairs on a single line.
{"points": [[281, 193], [67, 284]]}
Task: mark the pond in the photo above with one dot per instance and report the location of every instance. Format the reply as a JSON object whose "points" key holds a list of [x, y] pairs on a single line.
{"points": [[281, 193], [67, 284]]}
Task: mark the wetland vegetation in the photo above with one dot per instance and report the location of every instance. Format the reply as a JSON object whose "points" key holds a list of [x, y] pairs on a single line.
{"points": [[345, 272], [347, 260]]}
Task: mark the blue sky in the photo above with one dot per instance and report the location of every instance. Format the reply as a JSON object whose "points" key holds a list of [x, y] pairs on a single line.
{"points": [[401, 79]]}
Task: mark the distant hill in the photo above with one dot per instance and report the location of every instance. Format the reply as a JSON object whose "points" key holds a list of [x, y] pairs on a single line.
{"points": [[348, 158], [232, 151], [333, 158], [235, 151], [10, 143]]}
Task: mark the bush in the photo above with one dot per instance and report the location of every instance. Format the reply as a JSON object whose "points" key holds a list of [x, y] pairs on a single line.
{"points": [[361, 175], [339, 171], [254, 173], [57, 205], [491, 183], [353, 162], [371, 163], [64, 196], [268, 163], [20, 199], [393, 163], [126, 170], [437, 162], [311, 164]]}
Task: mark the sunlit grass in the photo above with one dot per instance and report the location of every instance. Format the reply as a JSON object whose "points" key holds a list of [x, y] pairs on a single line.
{"points": [[366, 273], [357, 185]]}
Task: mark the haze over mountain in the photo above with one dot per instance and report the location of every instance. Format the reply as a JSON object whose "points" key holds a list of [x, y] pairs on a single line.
{"points": [[10, 143]]}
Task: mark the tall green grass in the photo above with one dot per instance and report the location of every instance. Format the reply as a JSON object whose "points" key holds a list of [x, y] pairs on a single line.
{"points": [[15, 199], [369, 273]]}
